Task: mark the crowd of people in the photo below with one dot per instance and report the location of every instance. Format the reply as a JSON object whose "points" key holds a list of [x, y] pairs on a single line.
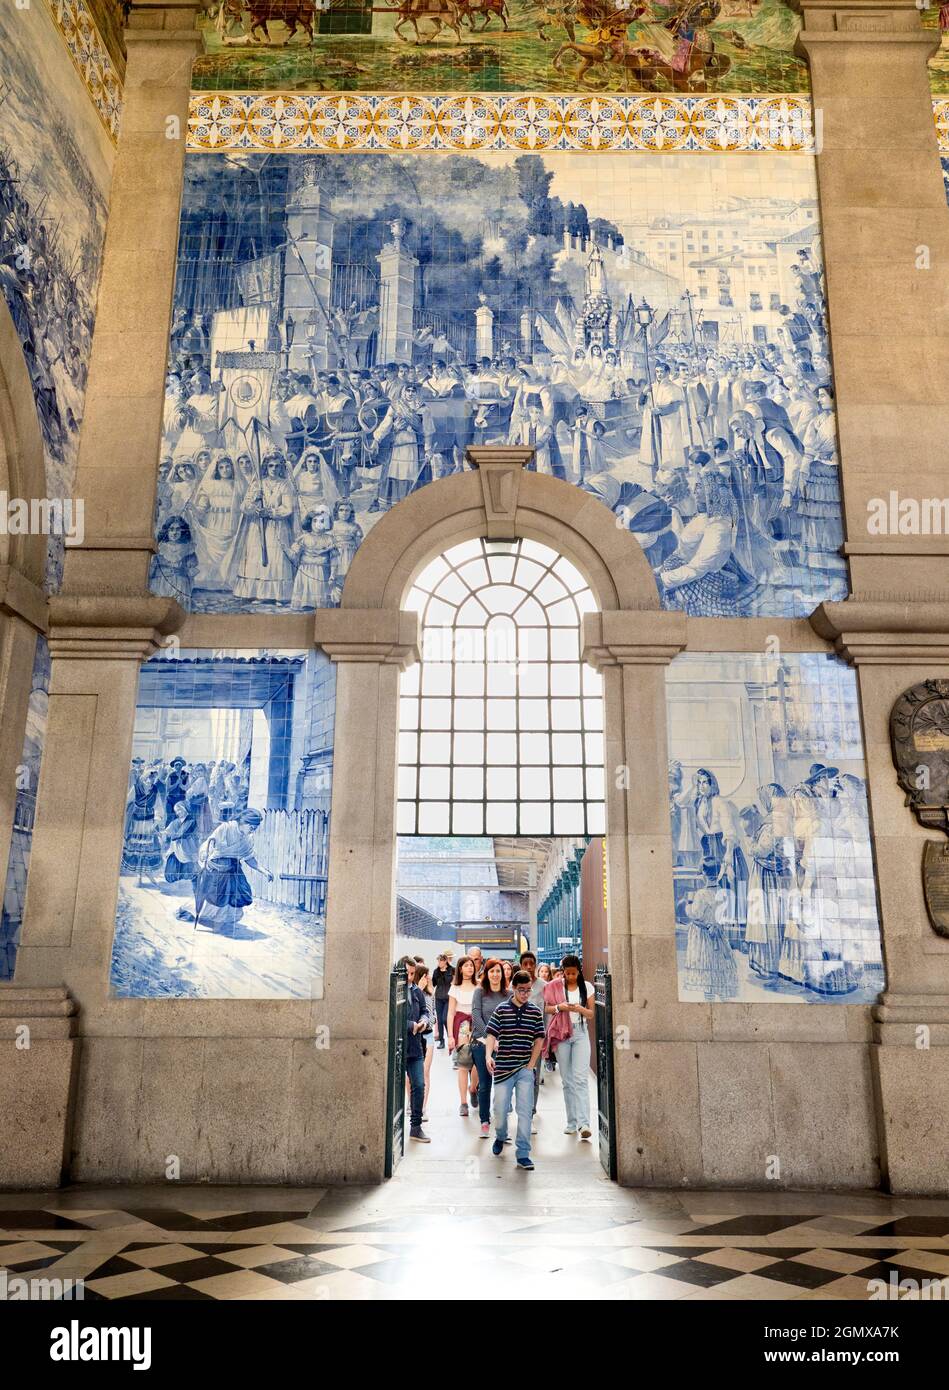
{"points": [[191, 823], [719, 457], [49, 291], [500, 1022], [786, 882]]}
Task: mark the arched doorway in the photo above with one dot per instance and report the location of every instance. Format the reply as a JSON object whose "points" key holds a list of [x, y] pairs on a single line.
{"points": [[501, 755], [373, 636]]}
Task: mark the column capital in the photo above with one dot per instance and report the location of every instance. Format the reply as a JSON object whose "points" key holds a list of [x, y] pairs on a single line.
{"points": [[380, 636], [20, 598], [888, 633], [862, 22], [630, 638], [157, 21], [110, 628]]}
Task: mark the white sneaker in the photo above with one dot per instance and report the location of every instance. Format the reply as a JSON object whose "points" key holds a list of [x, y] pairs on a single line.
{"points": [[570, 1130], [585, 1132]]}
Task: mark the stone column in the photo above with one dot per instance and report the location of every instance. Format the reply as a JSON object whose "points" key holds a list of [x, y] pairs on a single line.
{"points": [[894, 646], [22, 616], [69, 918], [370, 648], [655, 1079], [96, 646], [121, 429], [886, 253], [396, 298]]}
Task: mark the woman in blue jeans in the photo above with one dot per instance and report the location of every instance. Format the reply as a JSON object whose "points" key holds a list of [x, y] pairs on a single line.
{"points": [[489, 994], [573, 1052]]}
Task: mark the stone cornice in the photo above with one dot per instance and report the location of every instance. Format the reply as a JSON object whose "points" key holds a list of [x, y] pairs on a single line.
{"points": [[20, 598], [369, 635], [885, 633], [625, 638], [110, 628]]}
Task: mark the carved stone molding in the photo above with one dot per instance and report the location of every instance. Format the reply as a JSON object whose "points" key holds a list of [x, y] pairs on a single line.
{"points": [[897, 1019], [163, 20], [633, 638], [19, 598], [48, 1011], [369, 635], [919, 740], [110, 628], [868, 633], [862, 21], [500, 473]]}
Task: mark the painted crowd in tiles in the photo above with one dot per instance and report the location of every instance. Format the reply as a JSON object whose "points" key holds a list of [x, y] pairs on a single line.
{"points": [[772, 861], [55, 167], [655, 326], [223, 878]]}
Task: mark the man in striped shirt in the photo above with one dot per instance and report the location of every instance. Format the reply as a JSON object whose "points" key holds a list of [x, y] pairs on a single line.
{"points": [[513, 1040]]}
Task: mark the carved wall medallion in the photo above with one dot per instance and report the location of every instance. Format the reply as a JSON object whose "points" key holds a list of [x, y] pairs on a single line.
{"points": [[919, 737]]}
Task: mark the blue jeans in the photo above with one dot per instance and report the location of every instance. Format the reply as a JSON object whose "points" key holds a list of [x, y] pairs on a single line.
{"points": [[573, 1057], [415, 1071], [521, 1086], [484, 1082], [441, 1015]]}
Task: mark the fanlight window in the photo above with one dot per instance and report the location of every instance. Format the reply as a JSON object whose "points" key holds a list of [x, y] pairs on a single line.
{"points": [[501, 724]]}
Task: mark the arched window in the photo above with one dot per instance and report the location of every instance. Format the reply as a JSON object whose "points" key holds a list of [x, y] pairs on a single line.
{"points": [[501, 724]]}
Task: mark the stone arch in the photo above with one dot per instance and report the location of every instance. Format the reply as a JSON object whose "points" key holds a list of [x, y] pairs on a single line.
{"points": [[500, 499], [22, 457]]}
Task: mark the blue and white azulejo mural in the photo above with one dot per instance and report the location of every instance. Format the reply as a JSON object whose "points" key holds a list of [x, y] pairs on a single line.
{"points": [[346, 325], [222, 888], [772, 861]]}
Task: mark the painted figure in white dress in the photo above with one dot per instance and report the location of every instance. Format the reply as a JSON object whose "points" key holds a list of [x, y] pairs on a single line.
{"points": [[263, 566], [216, 515]]}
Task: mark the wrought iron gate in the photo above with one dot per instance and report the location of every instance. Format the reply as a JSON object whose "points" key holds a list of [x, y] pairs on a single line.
{"points": [[605, 1092], [395, 1073]]}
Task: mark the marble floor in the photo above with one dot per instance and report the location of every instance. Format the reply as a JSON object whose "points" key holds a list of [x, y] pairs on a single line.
{"points": [[453, 1211]]}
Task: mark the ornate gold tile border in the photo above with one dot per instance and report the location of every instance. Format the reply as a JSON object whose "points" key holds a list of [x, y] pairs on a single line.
{"points": [[92, 59], [343, 123], [941, 117]]}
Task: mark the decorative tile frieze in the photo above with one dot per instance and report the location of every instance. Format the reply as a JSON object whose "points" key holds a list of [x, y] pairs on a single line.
{"points": [[407, 123], [92, 59]]}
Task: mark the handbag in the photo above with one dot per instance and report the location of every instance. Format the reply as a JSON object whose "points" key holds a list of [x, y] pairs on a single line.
{"points": [[464, 1057]]}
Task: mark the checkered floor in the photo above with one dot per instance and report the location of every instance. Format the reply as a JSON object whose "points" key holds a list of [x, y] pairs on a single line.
{"points": [[209, 1244]]}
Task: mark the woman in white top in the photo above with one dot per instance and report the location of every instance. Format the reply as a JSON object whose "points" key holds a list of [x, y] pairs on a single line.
{"points": [[460, 996], [573, 1053]]}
